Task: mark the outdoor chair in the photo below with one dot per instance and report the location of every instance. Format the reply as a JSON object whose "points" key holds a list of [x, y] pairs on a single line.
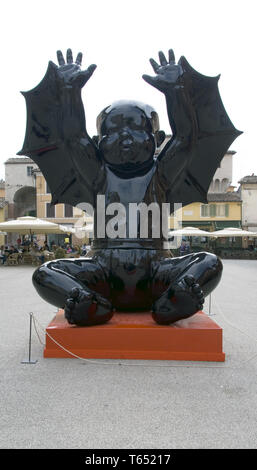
{"points": [[36, 260], [72, 255], [13, 259], [27, 258], [49, 256]]}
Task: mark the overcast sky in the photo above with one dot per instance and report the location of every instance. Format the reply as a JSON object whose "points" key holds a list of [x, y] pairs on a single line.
{"points": [[120, 36]]}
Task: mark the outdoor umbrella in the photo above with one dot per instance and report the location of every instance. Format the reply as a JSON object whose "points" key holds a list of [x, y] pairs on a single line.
{"points": [[31, 225], [84, 229], [190, 232], [234, 232], [66, 229]]}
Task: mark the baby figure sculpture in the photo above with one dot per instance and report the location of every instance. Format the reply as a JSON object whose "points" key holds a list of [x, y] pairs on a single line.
{"points": [[128, 273]]}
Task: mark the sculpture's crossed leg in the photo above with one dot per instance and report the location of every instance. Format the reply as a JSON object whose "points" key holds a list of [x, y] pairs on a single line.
{"points": [[189, 279], [67, 284], [85, 290]]}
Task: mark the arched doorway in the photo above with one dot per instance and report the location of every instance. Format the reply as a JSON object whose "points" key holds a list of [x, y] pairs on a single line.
{"points": [[25, 202]]}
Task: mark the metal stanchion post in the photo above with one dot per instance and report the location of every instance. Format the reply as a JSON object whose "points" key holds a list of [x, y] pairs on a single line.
{"points": [[30, 332], [210, 306]]}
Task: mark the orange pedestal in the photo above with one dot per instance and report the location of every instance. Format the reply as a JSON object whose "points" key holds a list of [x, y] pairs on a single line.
{"points": [[137, 336]]}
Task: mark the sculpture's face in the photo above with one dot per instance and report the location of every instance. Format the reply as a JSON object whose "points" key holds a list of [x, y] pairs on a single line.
{"points": [[126, 137]]}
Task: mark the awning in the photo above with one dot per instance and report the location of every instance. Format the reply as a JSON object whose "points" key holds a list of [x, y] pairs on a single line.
{"points": [[219, 225], [197, 223]]}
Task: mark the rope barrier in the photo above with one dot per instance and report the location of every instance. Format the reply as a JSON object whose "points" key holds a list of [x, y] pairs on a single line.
{"points": [[29, 360], [100, 362]]}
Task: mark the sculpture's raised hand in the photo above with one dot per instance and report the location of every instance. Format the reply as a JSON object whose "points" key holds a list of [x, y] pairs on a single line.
{"points": [[167, 72], [70, 73]]}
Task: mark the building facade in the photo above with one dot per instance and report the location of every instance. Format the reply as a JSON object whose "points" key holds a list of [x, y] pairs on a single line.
{"points": [[2, 189], [63, 214], [27, 193], [224, 208], [20, 190], [248, 193], [3, 208], [223, 176]]}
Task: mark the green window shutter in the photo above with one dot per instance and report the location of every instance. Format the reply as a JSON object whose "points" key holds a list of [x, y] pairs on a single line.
{"points": [[226, 210], [212, 210], [204, 210]]}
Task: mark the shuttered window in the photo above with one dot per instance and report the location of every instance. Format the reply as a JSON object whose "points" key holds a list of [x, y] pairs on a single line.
{"points": [[68, 210], [212, 210], [50, 210], [205, 210]]}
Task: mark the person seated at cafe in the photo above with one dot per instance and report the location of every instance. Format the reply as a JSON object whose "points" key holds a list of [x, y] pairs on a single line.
{"points": [[13, 250], [182, 249], [3, 256], [34, 250], [46, 247], [52, 244], [42, 254], [84, 250]]}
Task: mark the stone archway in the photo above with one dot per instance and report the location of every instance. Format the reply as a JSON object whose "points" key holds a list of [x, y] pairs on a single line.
{"points": [[25, 202]]}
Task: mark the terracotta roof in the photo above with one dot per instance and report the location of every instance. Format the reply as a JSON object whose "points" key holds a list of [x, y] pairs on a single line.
{"points": [[224, 197], [20, 160]]}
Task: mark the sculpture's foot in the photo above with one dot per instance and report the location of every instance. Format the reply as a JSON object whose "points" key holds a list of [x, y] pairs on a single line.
{"points": [[83, 308], [179, 301]]}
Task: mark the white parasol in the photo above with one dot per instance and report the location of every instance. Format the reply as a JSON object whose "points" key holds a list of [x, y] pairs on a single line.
{"points": [[31, 225], [234, 232], [190, 232]]}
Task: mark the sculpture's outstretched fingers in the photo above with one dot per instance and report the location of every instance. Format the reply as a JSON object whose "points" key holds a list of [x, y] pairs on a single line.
{"points": [[60, 58], [79, 58], [163, 60], [171, 56], [154, 64], [69, 56], [149, 79]]}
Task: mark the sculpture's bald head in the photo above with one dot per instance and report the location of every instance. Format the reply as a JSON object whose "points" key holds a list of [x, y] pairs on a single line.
{"points": [[128, 133], [124, 106]]}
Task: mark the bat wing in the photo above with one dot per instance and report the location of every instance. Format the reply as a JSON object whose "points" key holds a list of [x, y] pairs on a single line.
{"points": [[44, 142], [215, 133]]}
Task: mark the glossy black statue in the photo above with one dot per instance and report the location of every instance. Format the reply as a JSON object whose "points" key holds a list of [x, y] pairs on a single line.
{"points": [[124, 273]]}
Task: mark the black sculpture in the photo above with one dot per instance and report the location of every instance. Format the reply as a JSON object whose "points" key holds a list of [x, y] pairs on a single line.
{"points": [[128, 273]]}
